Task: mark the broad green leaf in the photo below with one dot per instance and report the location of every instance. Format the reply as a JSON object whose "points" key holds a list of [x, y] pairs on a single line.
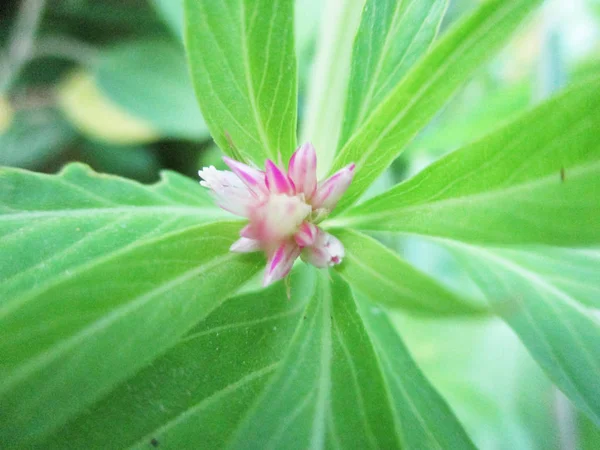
{"points": [[101, 275], [243, 64], [385, 278], [150, 80], [322, 118], [413, 102], [534, 181], [392, 36], [94, 115], [422, 416], [33, 138], [194, 395], [562, 335]]}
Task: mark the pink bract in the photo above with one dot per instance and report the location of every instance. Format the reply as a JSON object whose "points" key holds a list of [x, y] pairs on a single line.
{"points": [[282, 209]]}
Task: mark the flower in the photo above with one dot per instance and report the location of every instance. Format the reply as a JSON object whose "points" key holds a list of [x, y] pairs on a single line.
{"points": [[283, 209]]}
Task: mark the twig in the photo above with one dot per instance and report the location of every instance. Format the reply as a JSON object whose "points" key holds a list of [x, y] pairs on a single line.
{"points": [[21, 40]]}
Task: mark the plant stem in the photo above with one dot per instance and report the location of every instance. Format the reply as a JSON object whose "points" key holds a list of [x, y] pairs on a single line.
{"points": [[21, 41]]}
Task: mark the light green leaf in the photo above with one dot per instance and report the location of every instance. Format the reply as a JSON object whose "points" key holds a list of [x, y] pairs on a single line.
{"points": [[243, 67], [561, 334], [392, 36], [150, 80], [422, 416], [383, 277], [101, 275], [194, 395], [534, 181], [328, 85], [425, 89]]}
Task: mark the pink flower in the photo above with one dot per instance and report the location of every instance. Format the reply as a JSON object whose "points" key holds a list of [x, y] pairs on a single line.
{"points": [[282, 208]]}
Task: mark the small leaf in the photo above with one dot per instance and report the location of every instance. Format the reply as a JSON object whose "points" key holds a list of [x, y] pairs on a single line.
{"points": [[243, 66], [385, 278], [102, 275], [150, 80], [534, 181], [329, 79], [392, 36], [425, 89], [561, 334]]}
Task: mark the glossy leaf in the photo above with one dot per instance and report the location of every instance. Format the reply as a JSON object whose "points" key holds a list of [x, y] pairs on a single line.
{"points": [[243, 64], [392, 36], [195, 395], [101, 275], [561, 334], [383, 277], [412, 103], [534, 181], [150, 80], [328, 85]]}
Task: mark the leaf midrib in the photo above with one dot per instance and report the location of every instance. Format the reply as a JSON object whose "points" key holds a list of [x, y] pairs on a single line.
{"points": [[86, 212]]}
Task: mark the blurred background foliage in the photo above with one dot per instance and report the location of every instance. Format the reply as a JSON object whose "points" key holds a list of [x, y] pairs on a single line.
{"points": [[105, 82]]}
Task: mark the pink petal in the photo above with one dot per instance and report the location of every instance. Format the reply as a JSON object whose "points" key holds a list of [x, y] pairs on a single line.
{"points": [[302, 170], [306, 235], [245, 245], [253, 178], [326, 251], [276, 180], [280, 263], [331, 190]]}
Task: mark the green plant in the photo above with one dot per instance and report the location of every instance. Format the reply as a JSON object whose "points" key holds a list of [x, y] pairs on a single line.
{"points": [[127, 322]]}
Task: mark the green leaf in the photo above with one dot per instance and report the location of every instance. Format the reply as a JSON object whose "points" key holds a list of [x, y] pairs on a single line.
{"points": [[329, 80], [425, 89], [243, 66], [102, 275], [195, 394], [383, 277], [150, 80], [392, 36], [422, 416], [562, 335], [534, 181], [330, 391]]}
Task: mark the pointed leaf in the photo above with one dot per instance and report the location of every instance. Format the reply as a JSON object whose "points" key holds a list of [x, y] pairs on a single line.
{"points": [[534, 181], [243, 66], [426, 88], [392, 36], [385, 278], [423, 417], [322, 119]]}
